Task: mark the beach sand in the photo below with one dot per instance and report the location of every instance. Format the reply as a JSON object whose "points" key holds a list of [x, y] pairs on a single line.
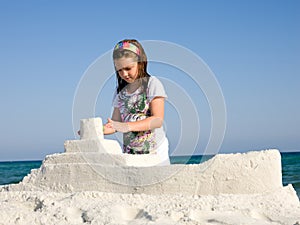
{"points": [[239, 189], [92, 182], [94, 207]]}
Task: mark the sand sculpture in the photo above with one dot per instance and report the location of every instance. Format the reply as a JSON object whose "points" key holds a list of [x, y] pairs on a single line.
{"points": [[97, 165]]}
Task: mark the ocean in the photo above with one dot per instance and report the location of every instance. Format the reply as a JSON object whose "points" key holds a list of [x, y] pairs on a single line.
{"points": [[13, 171]]}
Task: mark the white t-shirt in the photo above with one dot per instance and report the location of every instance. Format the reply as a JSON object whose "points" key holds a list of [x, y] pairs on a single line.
{"points": [[136, 106]]}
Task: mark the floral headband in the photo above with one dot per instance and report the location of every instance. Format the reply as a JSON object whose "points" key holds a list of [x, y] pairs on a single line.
{"points": [[128, 46]]}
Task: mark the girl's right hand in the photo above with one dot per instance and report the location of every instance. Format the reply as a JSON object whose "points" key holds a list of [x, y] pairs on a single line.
{"points": [[108, 128], [119, 126]]}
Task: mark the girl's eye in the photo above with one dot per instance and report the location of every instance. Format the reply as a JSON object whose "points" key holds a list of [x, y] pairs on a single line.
{"points": [[126, 69]]}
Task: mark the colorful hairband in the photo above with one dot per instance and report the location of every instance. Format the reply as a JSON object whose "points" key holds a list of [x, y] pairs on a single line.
{"points": [[128, 46]]}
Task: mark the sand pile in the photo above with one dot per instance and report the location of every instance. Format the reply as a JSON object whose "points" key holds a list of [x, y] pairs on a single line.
{"points": [[92, 182], [94, 207]]}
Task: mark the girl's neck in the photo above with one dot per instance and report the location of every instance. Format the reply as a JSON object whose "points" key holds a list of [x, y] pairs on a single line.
{"points": [[132, 87]]}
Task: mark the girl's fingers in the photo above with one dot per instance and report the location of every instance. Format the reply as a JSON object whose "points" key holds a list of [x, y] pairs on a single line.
{"points": [[108, 125], [118, 126]]}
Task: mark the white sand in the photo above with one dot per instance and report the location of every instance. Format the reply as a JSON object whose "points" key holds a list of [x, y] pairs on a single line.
{"points": [[93, 207], [244, 189], [92, 183]]}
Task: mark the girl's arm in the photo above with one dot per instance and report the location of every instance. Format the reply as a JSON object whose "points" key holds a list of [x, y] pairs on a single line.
{"points": [[154, 121]]}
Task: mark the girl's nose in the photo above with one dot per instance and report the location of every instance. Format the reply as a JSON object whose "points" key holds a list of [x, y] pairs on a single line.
{"points": [[123, 73]]}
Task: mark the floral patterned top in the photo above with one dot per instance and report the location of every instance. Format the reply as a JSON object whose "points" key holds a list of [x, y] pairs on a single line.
{"points": [[136, 106]]}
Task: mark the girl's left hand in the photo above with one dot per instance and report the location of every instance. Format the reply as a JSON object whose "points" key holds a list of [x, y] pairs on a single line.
{"points": [[119, 126]]}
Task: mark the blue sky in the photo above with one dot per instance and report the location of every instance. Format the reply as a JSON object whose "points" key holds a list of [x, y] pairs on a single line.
{"points": [[46, 46]]}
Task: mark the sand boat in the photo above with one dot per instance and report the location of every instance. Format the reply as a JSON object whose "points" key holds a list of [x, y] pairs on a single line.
{"points": [[97, 164], [92, 182]]}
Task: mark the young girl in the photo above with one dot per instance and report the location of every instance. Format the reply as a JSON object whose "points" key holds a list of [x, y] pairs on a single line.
{"points": [[139, 103]]}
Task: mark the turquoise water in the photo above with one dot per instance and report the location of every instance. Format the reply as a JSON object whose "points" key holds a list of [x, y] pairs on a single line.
{"points": [[13, 172], [291, 170]]}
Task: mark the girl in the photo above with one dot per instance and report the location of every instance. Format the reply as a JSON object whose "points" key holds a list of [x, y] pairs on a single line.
{"points": [[139, 103]]}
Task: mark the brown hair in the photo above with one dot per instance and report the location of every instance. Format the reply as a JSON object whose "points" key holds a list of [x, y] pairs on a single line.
{"points": [[140, 58]]}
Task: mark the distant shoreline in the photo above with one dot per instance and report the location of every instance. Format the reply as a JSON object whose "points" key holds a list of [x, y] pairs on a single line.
{"points": [[39, 160]]}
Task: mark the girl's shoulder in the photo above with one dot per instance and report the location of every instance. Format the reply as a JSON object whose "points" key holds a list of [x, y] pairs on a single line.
{"points": [[153, 80], [155, 88]]}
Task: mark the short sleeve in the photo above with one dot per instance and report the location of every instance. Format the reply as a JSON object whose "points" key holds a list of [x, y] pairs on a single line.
{"points": [[155, 88]]}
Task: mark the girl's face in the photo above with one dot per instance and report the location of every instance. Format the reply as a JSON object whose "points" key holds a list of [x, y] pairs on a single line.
{"points": [[127, 69]]}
